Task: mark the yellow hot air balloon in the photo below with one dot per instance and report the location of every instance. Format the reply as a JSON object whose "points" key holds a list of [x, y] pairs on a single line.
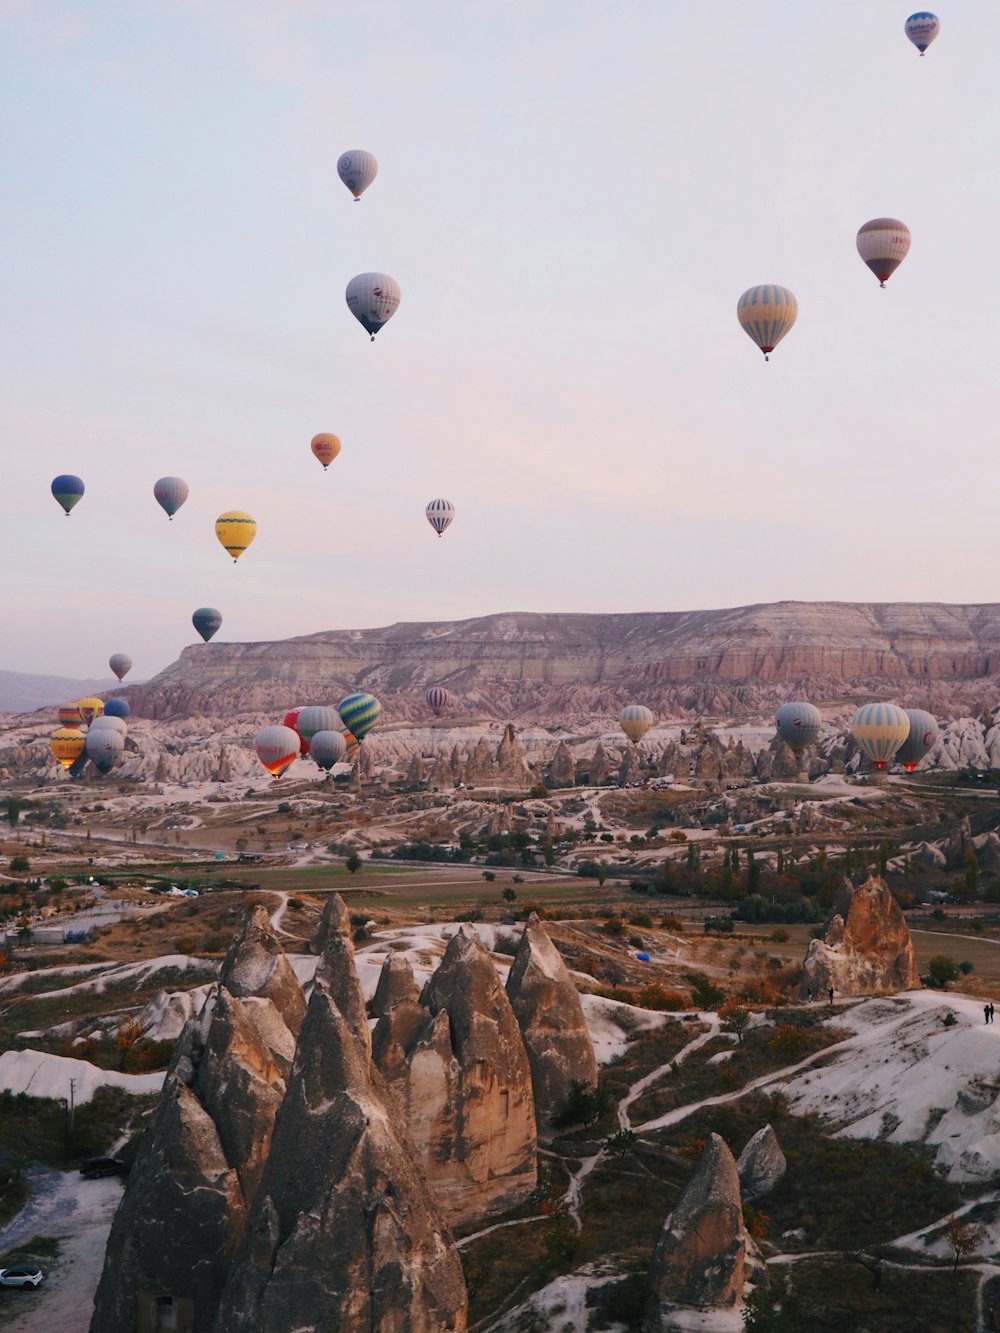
{"points": [[67, 744], [235, 530], [89, 709]]}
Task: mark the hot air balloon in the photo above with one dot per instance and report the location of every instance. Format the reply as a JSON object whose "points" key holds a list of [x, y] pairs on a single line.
{"points": [[351, 745], [207, 621], [766, 313], [373, 299], [923, 733], [316, 717], [326, 448], [120, 664], [437, 699], [68, 490], [880, 729], [291, 719], [922, 28], [69, 715], [116, 708], [89, 709], [359, 713], [104, 747], [235, 530], [109, 723], [635, 721], [328, 748], [170, 493], [798, 725], [277, 748], [67, 744], [439, 514], [357, 169], [883, 244]]}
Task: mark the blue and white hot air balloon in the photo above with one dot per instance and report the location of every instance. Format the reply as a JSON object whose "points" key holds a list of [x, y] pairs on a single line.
{"points": [[923, 733], [766, 313], [880, 729], [798, 725], [373, 299], [357, 169], [922, 28]]}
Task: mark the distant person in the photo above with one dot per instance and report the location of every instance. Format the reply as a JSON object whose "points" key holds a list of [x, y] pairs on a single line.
{"points": [[991, 1011], [830, 993], [986, 1013]]}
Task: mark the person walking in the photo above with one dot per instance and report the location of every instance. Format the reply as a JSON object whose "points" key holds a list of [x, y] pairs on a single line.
{"points": [[830, 993], [991, 1011], [986, 1013]]}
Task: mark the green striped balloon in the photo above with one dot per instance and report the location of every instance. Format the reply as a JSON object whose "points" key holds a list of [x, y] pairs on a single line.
{"points": [[360, 713]]}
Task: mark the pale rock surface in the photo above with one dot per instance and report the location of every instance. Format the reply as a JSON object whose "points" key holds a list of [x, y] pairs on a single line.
{"points": [[600, 766], [396, 982], [256, 965], [344, 1233], [562, 769], [547, 1006], [511, 763], [701, 1257], [480, 766], [761, 1164], [866, 948]]}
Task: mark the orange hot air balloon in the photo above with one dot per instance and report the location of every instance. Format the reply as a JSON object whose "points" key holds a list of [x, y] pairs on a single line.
{"points": [[352, 743], [326, 448], [67, 744]]}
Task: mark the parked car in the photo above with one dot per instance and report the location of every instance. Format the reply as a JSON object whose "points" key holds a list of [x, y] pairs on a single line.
{"points": [[92, 1168], [26, 1275]]}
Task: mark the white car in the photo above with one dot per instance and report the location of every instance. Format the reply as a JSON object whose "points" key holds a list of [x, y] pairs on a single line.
{"points": [[26, 1275]]}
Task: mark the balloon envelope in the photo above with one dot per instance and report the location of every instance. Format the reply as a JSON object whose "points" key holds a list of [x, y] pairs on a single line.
{"points": [[357, 168], [373, 299], [316, 717], [235, 530], [67, 744], [328, 748], [880, 729], [440, 514], [922, 28], [798, 725], [437, 699], [68, 491], [207, 621], [883, 244], [89, 709], [107, 722], [120, 664], [923, 733], [277, 748], [352, 743], [69, 715], [635, 721], [766, 313], [116, 708], [326, 448], [360, 713], [170, 493], [104, 747], [291, 719]]}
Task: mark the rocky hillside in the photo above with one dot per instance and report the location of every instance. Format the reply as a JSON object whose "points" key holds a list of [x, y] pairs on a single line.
{"points": [[559, 668]]}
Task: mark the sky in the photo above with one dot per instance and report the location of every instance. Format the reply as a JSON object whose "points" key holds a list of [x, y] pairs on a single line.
{"points": [[572, 197]]}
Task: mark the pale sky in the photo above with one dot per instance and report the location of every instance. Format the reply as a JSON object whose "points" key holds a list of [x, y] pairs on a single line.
{"points": [[572, 196]]}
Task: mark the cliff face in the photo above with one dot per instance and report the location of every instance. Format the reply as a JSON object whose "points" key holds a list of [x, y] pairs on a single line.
{"points": [[866, 948], [536, 666]]}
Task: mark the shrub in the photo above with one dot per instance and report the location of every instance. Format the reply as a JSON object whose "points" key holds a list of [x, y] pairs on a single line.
{"points": [[941, 970], [489, 876], [704, 993], [585, 1104], [20, 865]]}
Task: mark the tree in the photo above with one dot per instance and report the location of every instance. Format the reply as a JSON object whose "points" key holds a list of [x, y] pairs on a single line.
{"points": [[753, 873], [548, 852], [735, 1018], [963, 1239], [353, 861], [13, 811], [942, 969], [602, 873], [20, 865], [509, 895]]}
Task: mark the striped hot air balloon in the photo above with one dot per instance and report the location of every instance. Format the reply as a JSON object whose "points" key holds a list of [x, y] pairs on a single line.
{"points": [[373, 299], [328, 748], [923, 733], [69, 715], [883, 244], [357, 168], [277, 748], [68, 491], [89, 708], [766, 313], [170, 493], [351, 745], [798, 725], [359, 713], [635, 720], [439, 515], [880, 729], [437, 698], [67, 744], [922, 28], [235, 530]]}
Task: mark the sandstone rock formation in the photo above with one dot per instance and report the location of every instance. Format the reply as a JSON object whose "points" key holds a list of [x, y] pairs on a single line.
{"points": [[396, 982], [600, 766], [256, 965], [761, 1164], [547, 1007], [344, 1233], [701, 1256], [511, 764], [201, 1159], [562, 769], [480, 765], [458, 1075], [866, 947]]}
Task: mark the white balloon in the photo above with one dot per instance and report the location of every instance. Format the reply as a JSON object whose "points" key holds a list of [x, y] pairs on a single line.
{"points": [[357, 169], [439, 514], [373, 299]]}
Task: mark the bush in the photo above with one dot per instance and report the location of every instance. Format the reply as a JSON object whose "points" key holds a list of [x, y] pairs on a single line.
{"points": [[942, 969], [489, 876], [20, 865], [585, 1104], [704, 993]]}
